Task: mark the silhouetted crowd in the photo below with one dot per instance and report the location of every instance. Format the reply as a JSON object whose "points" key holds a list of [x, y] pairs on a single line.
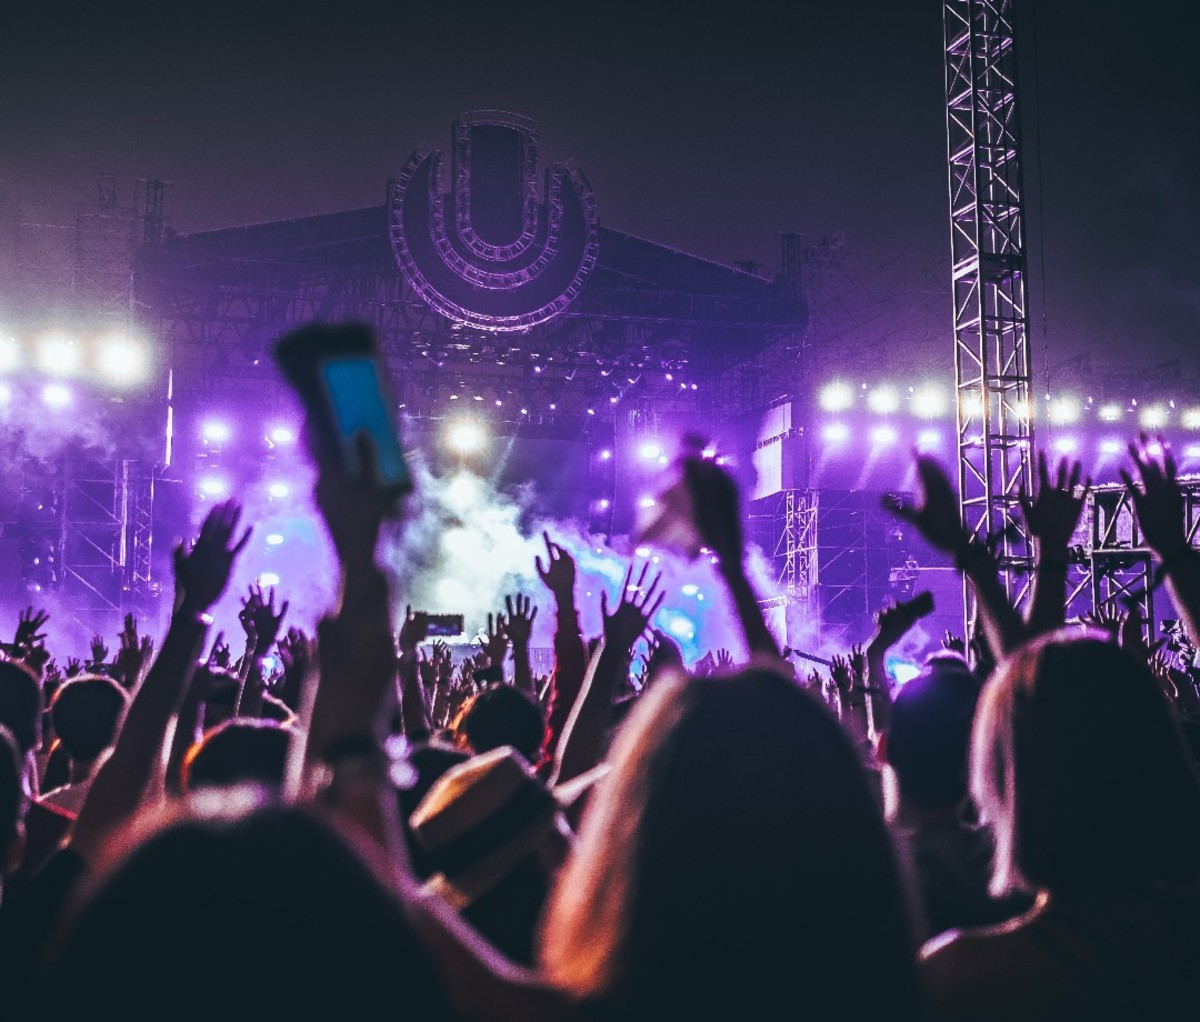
{"points": [[380, 824]]}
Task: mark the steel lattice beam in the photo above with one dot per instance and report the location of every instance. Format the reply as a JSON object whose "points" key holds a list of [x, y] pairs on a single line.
{"points": [[991, 345]]}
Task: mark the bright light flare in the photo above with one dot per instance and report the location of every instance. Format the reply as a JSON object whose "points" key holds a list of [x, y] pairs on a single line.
{"points": [[466, 436], [1190, 419], [59, 354], [884, 436], [836, 433], [275, 539], [836, 397], [1066, 445], [972, 404], [1110, 413], [929, 403], [212, 486], [122, 359], [268, 578], [1153, 416], [1065, 410], [215, 431], [55, 395], [1111, 447], [10, 354], [279, 490], [883, 400], [651, 450], [282, 435]]}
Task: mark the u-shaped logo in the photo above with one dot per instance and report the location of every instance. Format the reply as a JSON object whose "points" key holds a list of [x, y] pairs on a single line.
{"points": [[489, 254]]}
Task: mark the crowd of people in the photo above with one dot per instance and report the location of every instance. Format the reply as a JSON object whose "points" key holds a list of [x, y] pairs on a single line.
{"points": [[382, 826]]}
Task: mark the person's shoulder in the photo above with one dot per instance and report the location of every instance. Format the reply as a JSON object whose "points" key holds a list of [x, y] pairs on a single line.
{"points": [[971, 972]]}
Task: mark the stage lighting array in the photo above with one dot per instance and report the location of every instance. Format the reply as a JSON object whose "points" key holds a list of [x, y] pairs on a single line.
{"points": [[112, 357]]}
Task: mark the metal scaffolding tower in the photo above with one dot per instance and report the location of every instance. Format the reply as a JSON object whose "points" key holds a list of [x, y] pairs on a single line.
{"points": [[987, 240]]}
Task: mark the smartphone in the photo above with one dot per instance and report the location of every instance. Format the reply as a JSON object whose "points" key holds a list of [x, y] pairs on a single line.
{"points": [[336, 371], [445, 624]]}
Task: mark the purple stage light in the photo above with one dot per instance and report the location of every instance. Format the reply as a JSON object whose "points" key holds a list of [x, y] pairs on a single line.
{"points": [[275, 539], [884, 436], [650, 451], [883, 400], [836, 432], [929, 402], [59, 355], [836, 397], [605, 455], [216, 431], [1111, 446], [928, 439], [212, 486], [10, 354], [279, 490], [1066, 445], [55, 395], [1153, 417], [122, 359], [282, 435], [268, 578], [466, 436]]}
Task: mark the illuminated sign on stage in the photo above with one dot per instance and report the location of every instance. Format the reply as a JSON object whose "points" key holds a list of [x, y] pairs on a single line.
{"points": [[489, 254]]}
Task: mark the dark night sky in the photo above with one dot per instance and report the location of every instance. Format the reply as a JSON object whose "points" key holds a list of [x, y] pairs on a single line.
{"points": [[709, 132]]}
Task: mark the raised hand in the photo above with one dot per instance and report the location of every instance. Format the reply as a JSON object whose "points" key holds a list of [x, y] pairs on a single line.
{"points": [[413, 630], [705, 665], [1053, 513], [634, 610], [202, 570], [267, 621], [716, 509], [841, 674], [220, 654], [724, 661], [518, 622], [133, 653], [558, 573], [857, 661], [495, 644], [74, 666], [954, 643], [937, 517], [99, 651], [1105, 617], [28, 633], [893, 622], [1156, 496]]}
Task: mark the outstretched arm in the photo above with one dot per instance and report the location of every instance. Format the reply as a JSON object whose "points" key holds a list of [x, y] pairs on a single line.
{"points": [[938, 520], [582, 743], [716, 506], [201, 575], [1051, 516], [570, 653], [1158, 502]]}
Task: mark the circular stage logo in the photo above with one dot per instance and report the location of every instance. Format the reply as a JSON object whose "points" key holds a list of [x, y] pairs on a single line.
{"points": [[492, 253]]}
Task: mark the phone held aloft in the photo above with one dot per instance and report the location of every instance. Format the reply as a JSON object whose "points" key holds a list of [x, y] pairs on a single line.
{"points": [[337, 372]]}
